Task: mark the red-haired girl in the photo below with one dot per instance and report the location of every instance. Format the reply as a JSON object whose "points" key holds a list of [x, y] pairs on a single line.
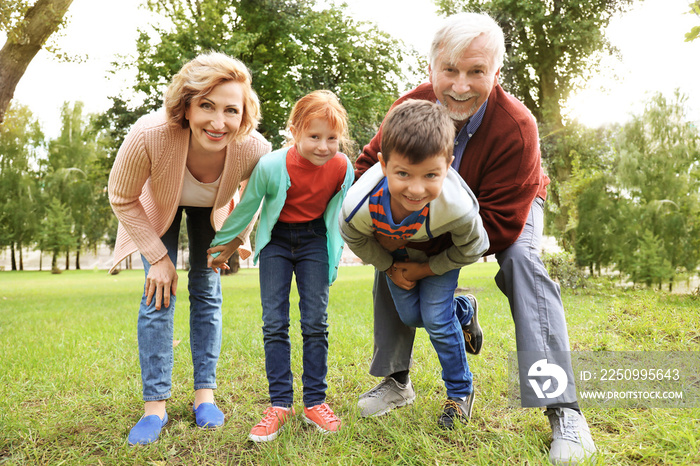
{"points": [[302, 188]]}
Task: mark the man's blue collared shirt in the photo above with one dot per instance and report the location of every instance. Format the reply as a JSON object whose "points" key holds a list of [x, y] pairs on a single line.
{"points": [[466, 133]]}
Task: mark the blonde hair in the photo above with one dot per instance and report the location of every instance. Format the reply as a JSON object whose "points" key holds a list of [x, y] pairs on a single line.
{"points": [[199, 77], [319, 104]]}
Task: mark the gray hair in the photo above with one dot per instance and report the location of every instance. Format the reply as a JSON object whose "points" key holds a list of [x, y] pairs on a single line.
{"points": [[457, 32]]}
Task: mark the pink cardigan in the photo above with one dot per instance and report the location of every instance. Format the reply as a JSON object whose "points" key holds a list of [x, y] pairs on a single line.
{"points": [[145, 184]]}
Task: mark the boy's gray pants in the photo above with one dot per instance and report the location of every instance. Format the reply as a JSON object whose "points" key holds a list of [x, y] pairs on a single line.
{"points": [[535, 304]]}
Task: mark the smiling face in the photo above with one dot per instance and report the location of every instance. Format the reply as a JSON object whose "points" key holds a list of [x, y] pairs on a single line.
{"points": [[318, 142], [215, 118], [413, 185], [462, 87]]}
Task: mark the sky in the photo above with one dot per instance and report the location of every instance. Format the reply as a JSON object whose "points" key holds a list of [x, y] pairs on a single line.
{"points": [[654, 57]]}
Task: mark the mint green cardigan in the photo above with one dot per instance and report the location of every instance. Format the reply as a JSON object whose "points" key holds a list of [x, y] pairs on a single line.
{"points": [[269, 183]]}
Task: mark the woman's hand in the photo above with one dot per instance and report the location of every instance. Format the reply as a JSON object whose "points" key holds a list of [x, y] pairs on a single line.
{"points": [[161, 281], [225, 252], [395, 273]]}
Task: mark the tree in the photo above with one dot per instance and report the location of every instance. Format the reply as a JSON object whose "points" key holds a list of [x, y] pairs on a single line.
{"points": [[21, 140], [644, 212], [589, 197], [658, 172], [56, 233], [588, 157], [76, 177], [291, 47], [25, 37]]}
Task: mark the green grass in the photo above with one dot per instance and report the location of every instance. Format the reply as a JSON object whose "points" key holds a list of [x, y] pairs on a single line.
{"points": [[70, 386]]}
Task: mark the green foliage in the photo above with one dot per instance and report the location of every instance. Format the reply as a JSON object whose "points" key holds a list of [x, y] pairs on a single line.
{"points": [[292, 47], [21, 142], [56, 231], [598, 215], [562, 268], [650, 264], [643, 213], [76, 175], [573, 158], [11, 13], [695, 30]]}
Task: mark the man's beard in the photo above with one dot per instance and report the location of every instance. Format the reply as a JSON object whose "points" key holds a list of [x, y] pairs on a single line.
{"points": [[462, 115]]}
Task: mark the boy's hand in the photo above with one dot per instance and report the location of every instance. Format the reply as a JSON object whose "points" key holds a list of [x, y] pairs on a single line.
{"points": [[225, 253], [395, 274], [414, 271], [390, 244]]}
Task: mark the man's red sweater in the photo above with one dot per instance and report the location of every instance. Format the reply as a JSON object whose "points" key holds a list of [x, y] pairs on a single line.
{"points": [[501, 164]]}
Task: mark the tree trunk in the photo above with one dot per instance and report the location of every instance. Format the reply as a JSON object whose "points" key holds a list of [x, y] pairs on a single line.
{"points": [[24, 42], [77, 259], [21, 259], [12, 256], [67, 260]]}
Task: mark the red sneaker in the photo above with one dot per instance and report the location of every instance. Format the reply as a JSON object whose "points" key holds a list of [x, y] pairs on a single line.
{"points": [[323, 417], [271, 424]]}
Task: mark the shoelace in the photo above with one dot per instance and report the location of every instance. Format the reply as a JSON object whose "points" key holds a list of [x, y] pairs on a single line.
{"points": [[468, 337], [452, 404], [270, 416], [568, 427], [326, 414], [380, 391]]}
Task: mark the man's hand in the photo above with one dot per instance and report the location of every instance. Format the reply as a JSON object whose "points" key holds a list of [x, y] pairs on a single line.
{"points": [[161, 281], [395, 274], [390, 244], [414, 271], [225, 252]]}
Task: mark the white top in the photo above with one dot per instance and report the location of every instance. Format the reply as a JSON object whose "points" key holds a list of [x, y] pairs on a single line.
{"points": [[198, 194]]}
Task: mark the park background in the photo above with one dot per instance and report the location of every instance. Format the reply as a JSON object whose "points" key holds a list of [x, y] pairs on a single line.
{"points": [[613, 85]]}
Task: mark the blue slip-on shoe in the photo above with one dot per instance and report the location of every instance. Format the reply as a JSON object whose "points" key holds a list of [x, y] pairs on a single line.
{"points": [[208, 416], [147, 429]]}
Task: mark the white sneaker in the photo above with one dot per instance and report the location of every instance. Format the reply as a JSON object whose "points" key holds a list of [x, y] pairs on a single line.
{"points": [[571, 438], [387, 395]]}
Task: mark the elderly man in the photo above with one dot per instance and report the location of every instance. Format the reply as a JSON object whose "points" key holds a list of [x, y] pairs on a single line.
{"points": [[497, 153]]}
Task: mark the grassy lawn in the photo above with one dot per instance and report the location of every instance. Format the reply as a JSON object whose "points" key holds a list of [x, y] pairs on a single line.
{"points": [[70, 385]]}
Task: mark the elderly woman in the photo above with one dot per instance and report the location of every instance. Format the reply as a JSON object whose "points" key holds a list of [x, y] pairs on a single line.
{"points": [[192, 157]]}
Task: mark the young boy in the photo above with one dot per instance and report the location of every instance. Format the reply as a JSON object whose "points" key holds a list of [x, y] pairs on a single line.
{"points": [[413, 217]]}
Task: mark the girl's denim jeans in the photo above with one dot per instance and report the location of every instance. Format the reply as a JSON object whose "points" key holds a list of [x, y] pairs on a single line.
{"points": [[300, 249]]}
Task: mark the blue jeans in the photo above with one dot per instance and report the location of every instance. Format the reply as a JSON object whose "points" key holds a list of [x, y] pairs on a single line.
{"points": [[155, 327], [433, 305], [298, 248]]}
